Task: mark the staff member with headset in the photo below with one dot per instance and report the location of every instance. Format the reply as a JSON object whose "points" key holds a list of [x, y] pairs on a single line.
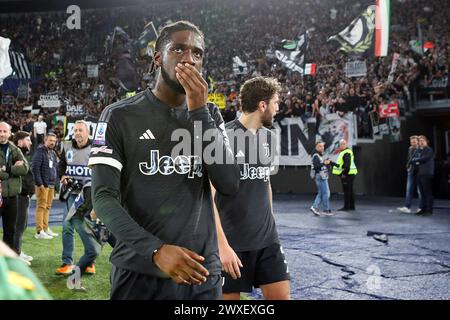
{"points": [[346, 169]]}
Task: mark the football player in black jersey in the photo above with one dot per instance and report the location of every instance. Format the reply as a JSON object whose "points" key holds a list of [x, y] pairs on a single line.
{"points": [[249, 247], [158, 205]]}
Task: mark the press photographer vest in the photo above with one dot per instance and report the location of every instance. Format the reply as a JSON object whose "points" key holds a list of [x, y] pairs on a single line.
{"points": [[77, 160]]}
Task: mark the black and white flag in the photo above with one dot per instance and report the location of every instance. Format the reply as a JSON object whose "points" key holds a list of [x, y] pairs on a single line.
{"points": [[358, 36], [19, 65], [239, 67], [292, 53]]}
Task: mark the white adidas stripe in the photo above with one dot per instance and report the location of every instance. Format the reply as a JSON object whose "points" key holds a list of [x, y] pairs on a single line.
{"points": [[147, 135], [150, 134]]}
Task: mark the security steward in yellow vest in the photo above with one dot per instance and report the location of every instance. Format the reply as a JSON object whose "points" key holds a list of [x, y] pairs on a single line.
{"points": [[346, 169]]}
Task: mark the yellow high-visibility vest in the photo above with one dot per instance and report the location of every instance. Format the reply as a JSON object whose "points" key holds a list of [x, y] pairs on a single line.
{"points": [[337, 170]]}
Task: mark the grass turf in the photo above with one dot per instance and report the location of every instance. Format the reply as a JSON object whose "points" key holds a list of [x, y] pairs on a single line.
{"points": [[47, 257]]}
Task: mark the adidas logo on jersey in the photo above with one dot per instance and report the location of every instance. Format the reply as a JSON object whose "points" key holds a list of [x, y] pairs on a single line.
{"points": [[147, 135]]}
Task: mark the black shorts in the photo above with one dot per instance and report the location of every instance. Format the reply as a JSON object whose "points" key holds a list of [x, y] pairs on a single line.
{"points": [[129, 285], [263, 266]]}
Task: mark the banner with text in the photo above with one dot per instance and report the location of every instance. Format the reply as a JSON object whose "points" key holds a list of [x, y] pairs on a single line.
{"points": [[92, 70], [297, 139], [355, 69], [49, 101]]}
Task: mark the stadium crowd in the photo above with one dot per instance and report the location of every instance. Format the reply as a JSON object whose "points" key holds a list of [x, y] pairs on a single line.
{"points": [[250, 30]]}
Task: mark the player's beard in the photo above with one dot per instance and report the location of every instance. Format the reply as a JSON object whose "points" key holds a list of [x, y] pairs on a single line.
{"points": [[174, 85], [267, 119]]}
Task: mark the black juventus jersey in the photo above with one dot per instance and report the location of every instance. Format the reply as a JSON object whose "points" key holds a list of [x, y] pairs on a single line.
{"points": [[246, 217], [167, 197]]}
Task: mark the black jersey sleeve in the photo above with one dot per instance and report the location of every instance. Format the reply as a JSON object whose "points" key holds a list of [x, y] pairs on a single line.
{"points": [[106, 160], [105, 196], [224, 176]]}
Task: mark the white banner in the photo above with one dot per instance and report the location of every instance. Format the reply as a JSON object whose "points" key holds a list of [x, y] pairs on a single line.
{"points": [[298, 139], [49, 101], [355, 69], [92, 70], [77, 110], [239, 67]]}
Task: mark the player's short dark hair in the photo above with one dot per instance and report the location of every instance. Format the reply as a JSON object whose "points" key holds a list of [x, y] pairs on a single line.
{"points": [[166, 33], [168, 30], [257, 89], [19, 135]]}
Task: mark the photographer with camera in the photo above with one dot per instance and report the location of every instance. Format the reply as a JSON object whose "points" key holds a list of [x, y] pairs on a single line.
{"points": [[74, 175], [45, 175], [81, 215]]}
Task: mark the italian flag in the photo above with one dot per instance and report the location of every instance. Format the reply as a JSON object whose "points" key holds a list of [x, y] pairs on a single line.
{"points": [[310, 69], [382, 22]]}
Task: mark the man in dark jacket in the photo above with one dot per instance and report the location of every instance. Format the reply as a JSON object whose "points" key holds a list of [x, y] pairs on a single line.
{"points": [[411, 170], [425, 162], [12, 167], [45, 177], [23, 141]]}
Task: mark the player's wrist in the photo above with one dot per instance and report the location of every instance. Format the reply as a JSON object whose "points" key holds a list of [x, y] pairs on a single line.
{"points": [[155, 253], [198, 108]]}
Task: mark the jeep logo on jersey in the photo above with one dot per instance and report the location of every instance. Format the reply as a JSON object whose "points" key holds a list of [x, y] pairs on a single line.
{"points": [[78, 171], [253, 173], [166, 165]]}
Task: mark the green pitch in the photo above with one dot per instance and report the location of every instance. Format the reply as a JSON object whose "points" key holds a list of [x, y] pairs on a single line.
{"points": [[47, 257]]}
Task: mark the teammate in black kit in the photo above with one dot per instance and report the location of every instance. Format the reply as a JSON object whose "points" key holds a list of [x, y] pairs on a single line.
{"points": [[158, 205], [249, 239]]}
